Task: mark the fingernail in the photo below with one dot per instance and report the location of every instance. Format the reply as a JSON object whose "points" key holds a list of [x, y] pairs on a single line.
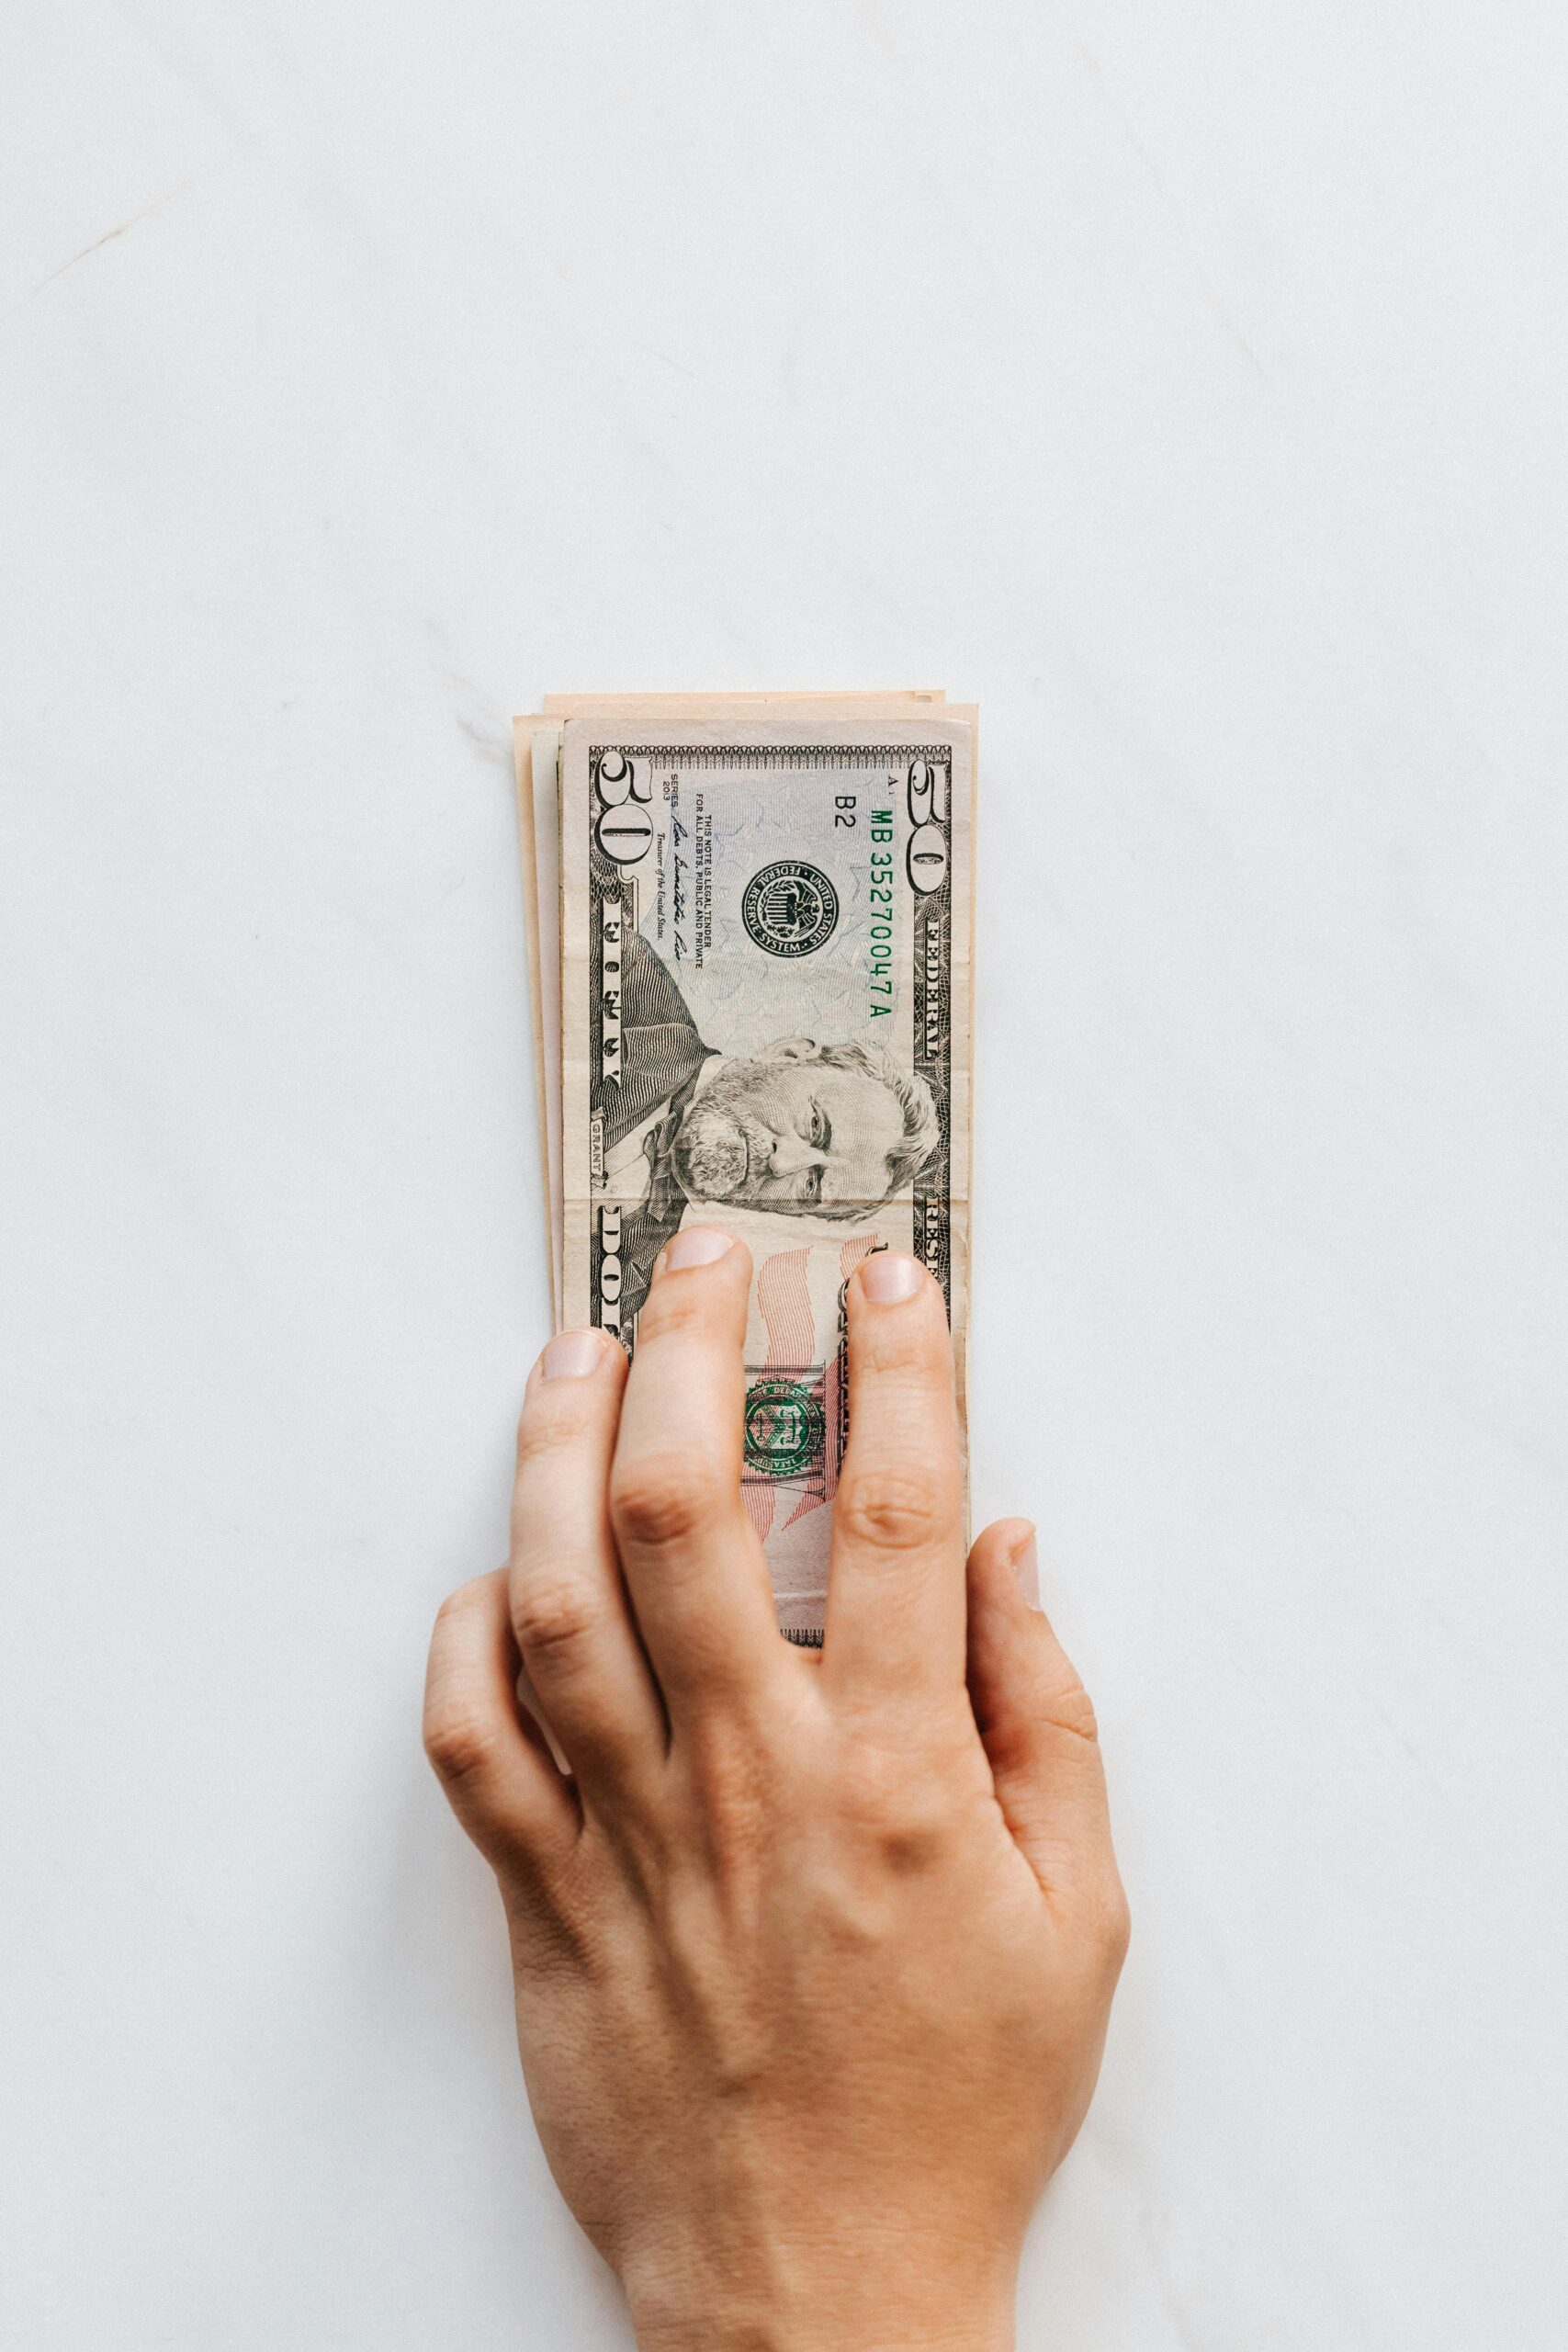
{"points": [[698, 1245], [1026, 1569], [889, 1277], [571, 1357]]}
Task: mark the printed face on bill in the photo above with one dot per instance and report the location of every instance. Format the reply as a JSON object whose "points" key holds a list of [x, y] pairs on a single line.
{"points": [[803, 1130]]}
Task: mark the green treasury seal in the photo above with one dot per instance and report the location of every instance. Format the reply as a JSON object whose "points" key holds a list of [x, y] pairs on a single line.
{"points": [[785, 1428]]}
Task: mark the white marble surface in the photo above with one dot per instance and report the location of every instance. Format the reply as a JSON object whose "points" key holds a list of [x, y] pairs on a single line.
{"points": [[1184, 379]]}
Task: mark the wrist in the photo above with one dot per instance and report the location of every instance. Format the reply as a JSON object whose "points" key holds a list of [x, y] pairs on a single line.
{"points": [[889, 2308], [828, 2330]]}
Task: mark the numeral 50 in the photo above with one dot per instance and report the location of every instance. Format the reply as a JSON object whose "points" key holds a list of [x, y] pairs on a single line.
{"points": [[926, 857], [623, 787]]}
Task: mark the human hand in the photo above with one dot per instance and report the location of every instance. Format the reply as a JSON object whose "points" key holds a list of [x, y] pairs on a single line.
{"points": [[813, 1953]]}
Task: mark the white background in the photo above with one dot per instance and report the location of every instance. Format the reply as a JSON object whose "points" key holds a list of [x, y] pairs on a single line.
{"points": [[1182, 378]]}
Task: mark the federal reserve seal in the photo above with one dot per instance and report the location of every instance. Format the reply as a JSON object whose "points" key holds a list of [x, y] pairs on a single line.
{"points": [[785, 1428], [790, 908]]}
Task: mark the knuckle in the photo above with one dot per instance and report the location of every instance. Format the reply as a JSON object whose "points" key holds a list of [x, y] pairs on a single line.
{"points": [[543, 1434], [912, 1843], [906, 1814], [459, 1743], [1118, 1926], [551, 1615], [682, 1310], [1072, 1710], [912, 1348], [458, 1602], [663, 1500], [891, 1509], [1111, 1924]]}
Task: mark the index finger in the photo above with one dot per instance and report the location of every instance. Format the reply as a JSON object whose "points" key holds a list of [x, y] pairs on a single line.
{"points": [[895, 1594]]}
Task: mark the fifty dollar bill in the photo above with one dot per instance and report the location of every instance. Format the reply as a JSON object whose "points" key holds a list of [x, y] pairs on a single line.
{"points": [[762, 1023]]}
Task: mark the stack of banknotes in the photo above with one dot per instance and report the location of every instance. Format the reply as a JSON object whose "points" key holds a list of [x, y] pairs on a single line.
{"points": [[751, 923]]}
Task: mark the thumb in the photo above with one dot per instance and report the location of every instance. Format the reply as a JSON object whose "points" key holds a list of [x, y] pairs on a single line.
{"points": [[1038, 1727]]}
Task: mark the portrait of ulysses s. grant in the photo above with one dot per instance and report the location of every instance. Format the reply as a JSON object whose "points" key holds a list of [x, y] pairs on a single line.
{"points": [[798, 1128]]}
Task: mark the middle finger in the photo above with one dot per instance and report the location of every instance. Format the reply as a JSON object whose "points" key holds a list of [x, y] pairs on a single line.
{"points": [[694, 1566]]}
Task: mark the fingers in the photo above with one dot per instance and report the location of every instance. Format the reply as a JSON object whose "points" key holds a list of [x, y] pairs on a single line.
{"points": [[507, 1794], [694, 1566], [895, 1608], [1038, 1729], [570, 1613]]}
